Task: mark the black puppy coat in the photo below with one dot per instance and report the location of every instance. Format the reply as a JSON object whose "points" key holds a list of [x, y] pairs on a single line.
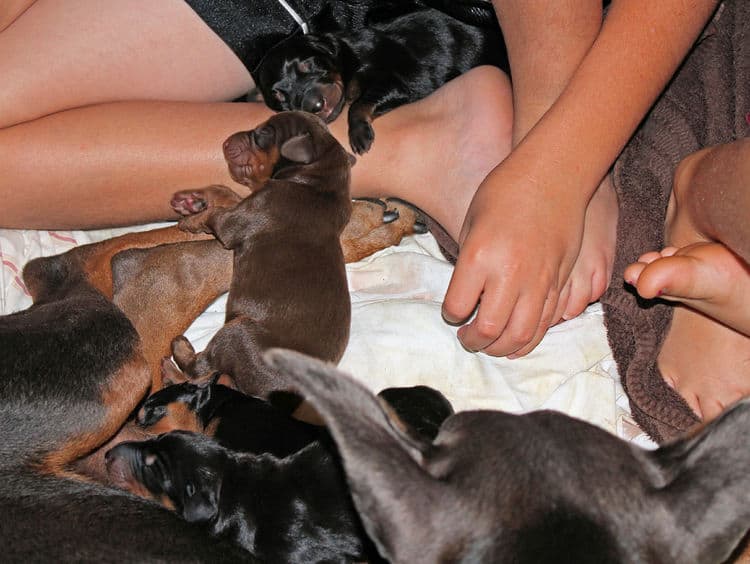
{"points": [[376, 69]]}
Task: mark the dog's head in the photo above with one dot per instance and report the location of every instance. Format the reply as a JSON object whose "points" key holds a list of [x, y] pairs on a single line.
{"points": [[182, 471], [185, 406], [285, 141], [303, 73]]}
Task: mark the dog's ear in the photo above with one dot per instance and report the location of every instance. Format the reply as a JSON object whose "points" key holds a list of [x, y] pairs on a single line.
{"points": [[702, 480], [299, 149], [373, 447]]}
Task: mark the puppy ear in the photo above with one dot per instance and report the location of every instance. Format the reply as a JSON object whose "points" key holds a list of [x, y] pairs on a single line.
{"points": [[299, 149]]}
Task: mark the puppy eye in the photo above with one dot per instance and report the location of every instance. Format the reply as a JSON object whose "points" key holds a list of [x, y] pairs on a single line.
{"points": [[189, 489], [279, 95]]}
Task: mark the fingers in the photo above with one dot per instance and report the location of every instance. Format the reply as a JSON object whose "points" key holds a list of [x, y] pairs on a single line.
{"points": [[547, 319]]}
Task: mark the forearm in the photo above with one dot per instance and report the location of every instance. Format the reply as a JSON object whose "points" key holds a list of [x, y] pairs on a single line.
{"points": [[637, 51]]}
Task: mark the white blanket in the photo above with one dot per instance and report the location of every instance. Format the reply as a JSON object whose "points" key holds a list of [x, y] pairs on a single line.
{"points": [[398, 337]]}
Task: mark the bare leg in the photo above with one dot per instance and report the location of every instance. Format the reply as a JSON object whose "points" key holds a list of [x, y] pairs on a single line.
{"points": [[89, 52], [706, 354], [102, 136], [568, 32], [120, 163]]}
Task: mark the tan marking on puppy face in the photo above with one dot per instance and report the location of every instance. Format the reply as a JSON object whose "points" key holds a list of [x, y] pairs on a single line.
{"points": [[179, 417]]}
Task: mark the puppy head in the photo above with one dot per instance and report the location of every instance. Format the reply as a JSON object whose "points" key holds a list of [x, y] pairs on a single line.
{"points": [[285, 139], [303, 73], [180, 470]]}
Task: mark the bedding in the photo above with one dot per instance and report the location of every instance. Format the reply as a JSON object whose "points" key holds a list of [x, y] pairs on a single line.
{"points": [[399, 338]]}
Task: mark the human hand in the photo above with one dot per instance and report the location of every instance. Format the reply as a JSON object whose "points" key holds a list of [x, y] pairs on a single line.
{"points": [[519, 241]]}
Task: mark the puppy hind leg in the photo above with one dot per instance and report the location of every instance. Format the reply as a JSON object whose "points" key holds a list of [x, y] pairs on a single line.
{"points": [[375, 225]]}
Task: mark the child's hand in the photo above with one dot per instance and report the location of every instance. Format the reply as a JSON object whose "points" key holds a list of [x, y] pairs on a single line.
{"points": [[519, 242]]}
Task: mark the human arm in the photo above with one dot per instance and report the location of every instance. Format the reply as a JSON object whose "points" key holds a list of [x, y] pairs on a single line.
{"points": [[523, 230]]}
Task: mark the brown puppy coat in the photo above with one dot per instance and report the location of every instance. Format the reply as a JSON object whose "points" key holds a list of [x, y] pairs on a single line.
{"points": [[289, 283]]}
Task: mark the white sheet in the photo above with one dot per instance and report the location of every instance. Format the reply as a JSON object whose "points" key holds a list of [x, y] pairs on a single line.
{"points": [[399, 338]]}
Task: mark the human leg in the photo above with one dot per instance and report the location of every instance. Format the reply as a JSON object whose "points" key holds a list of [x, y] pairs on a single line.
{"points": [[91, 52], [706, 351], [119, 163]]}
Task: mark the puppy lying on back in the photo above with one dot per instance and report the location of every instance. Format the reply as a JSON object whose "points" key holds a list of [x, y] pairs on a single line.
{"points": [[542, 487], [376, 69], [289, 283]]}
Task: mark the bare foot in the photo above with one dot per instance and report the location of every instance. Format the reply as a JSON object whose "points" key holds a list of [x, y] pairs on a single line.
{"points": [[467, 123], [707, 277], [703, 357], [592, 271]]}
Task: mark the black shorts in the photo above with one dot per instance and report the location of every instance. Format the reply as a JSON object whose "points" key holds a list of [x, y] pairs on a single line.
{"points": [[251, 27]]}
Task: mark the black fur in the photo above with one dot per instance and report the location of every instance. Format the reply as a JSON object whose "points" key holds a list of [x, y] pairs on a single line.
{"points": [[375, 69]]}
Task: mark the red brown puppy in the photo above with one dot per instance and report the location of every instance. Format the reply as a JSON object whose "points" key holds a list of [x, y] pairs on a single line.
{"points": [[289, 283]]}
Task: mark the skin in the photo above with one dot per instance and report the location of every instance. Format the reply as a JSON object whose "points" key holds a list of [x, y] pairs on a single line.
{"points": [[579, 136], [536, 236], [706, 271]]}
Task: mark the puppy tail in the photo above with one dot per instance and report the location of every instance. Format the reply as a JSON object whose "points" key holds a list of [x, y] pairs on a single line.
{"points": [[703, 481], [380, 454]]}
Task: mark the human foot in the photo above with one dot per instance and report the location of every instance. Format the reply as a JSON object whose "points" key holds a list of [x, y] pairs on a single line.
{"points": [[592, 271], [439, 149], [703, 358]]}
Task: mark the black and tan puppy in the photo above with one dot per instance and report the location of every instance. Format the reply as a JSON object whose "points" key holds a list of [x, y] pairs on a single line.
{"points": [[375, 69], [289, 282], [536, 488], [288, 505], [295, 509], [249, 424], [235, 420]]}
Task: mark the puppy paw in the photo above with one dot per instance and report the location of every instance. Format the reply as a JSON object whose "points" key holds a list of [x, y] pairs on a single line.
{"points": [[188, 202], [411, 216], [361, 136]]}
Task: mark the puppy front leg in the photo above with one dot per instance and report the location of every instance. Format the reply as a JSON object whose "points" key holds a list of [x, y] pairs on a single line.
{"points": [[378, 93], [199, 206]]}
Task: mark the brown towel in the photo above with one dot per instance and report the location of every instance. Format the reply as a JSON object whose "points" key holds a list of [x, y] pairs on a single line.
{"points": [[705, 104]]}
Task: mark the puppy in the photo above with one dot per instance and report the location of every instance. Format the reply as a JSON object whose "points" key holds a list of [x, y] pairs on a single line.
{"points": [[249, 424], [293, 509], [289, 505], [375, 69], [289, 282], [541, 487], [235, 420]]}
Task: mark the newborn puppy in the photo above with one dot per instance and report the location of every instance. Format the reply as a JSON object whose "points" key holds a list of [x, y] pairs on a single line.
{"points": [[534, 488], [376, 69], [293, 509], [289, 284], [237, 421]]}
